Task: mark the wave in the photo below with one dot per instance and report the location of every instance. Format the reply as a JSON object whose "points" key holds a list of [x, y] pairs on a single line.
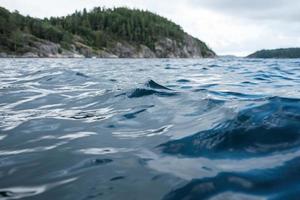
{"points": [[152, 84], [254, 131], [198, 129], [152, 88], [257, 184], [56, 77], [183, 81]]}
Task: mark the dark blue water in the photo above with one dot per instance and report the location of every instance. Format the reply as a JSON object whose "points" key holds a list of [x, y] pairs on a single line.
{"points": [[149, 129]]}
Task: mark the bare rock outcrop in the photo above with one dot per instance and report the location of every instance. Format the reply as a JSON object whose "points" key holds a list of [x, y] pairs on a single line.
{"points": [[189, 47]]}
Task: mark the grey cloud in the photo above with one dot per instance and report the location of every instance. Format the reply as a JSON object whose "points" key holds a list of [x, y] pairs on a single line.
{"points": [[282, 10]]}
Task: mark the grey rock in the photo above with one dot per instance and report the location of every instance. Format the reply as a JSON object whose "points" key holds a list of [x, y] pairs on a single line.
{"points": [[47, 49], [124, 50], [105, 54], [30, 55], [145, 52], [189, 47], [3, 55]]}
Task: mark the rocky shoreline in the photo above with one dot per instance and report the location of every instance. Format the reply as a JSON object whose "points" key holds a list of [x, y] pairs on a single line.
{"points": [[164, 48]]}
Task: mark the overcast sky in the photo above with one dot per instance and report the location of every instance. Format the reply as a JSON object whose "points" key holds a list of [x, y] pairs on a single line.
{"points": [[236, 27]]}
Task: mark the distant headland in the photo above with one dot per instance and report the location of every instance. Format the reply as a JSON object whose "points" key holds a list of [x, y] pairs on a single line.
{"points": [[101, 33], [277, 53]]}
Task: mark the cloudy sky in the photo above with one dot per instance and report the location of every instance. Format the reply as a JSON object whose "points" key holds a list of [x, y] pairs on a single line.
{"points": [[236, 27]]}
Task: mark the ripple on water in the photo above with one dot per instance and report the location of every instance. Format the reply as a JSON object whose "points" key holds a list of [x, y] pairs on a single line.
{"points": [[2, 137], [103, 151], [257, 184], [141, 134], [183, 81], [84, 165], [23, 192]]}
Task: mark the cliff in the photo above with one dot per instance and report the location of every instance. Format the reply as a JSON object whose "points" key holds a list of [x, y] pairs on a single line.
{"points": [[102, 33]]}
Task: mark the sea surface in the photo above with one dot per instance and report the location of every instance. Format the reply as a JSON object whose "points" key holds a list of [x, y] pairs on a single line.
{"points": [[171, 129]]}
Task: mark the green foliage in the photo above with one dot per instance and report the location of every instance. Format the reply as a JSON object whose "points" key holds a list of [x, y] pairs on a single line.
{"points": [[136, 26], [16, 38], [277, 53], [66, 40], [100, 39], [98, 28]]}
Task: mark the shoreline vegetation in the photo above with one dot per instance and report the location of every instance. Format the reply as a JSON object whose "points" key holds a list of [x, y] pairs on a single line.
{"points": [[277, 53], [99, 33]]}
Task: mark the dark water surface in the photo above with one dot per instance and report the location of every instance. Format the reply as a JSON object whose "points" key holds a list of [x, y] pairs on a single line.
{"points": [[149, 129]]}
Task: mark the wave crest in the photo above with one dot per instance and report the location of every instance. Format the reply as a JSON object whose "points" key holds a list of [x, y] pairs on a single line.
{"points": [[273, 126], [151, 88]]}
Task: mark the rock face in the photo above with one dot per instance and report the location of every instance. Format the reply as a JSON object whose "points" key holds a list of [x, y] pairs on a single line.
{"points": [[189, 48], [164, 48]]}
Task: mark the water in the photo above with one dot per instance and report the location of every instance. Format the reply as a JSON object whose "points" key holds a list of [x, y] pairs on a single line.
{"points": [[149, 129]]}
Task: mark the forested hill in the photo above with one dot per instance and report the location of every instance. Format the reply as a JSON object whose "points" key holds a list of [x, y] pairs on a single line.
{"points": [[277, 53], [118, 32]]}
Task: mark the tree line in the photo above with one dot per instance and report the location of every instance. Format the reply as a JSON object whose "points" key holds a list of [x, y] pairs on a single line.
{"points": [[98, 28], [277, 53]]}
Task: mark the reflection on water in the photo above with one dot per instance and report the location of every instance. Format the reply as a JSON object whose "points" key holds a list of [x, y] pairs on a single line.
{"points": [[149, 129]]}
